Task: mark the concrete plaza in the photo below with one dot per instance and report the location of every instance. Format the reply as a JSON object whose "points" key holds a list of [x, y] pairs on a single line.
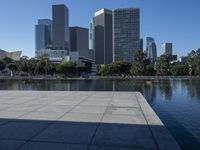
{"points": [[61, 120]]}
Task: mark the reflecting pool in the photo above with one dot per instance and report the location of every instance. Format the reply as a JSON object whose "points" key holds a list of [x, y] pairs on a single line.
{"points": [[176, 102]]}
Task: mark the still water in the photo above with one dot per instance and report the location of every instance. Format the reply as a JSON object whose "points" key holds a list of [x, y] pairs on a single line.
{"points": [[176, 102]]}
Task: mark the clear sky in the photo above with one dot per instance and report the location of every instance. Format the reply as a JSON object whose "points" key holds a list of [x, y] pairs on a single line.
{"points": [[176, 21]]}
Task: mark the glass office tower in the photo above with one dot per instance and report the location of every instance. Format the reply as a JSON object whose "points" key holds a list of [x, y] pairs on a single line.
{"points": [[60, 27], [79, 41], [167, 48], [126, 33], [42, 35], [151, 49], [102, 36]]}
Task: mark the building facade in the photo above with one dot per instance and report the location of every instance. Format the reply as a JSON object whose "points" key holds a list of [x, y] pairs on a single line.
{"points": [[126, 33], [102, 36], [167, 48], [52, 37], [79, 40], [151, 49], [42, 35], [141, 45], [60, 27]]}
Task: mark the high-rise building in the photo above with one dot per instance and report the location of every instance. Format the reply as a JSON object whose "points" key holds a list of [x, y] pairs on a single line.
{"points": [[42, 35], [91, 35], [126, 33], [151, 49], [60, 27], [102, 36], [79, 40], [141, 45], [167, 48]]}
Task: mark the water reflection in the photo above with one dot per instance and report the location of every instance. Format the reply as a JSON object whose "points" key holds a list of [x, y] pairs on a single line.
{"points": [[193, 88], [165, 89], [150, 88]]}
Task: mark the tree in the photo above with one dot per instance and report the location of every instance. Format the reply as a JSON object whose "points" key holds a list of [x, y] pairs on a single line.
{"points": [[7, 60], [141, 65], [179, 70], [12, 66], [163, 65], [31, 66], [82, 69], [88, 66], [41, 67], [106, 70], [150, 71], [115, 69], [2, 65], [137, 69], [194, 61], [138, 56], [98, 69], [52, 68], [68, 68], [22, 64], [124, 67]]}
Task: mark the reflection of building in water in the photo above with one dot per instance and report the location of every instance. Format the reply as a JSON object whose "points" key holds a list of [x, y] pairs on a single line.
{"points": [[150, 91], [193, 88], [127, 85], [165, 89]]}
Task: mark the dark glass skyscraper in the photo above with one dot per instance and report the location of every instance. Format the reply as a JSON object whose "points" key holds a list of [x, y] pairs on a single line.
{"points": [[60, 27], [42, 35], [141, 45], [126, 33], [102, 36], [167, 48], [79, 40]]}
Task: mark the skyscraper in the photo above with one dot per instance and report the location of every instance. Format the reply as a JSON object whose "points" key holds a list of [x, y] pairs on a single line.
{"points": [[141, 45], [91, 35], [102, 36], [42, 35], [60, 27], [151, 49], [126, 33], [167, 48], [79, 40]]}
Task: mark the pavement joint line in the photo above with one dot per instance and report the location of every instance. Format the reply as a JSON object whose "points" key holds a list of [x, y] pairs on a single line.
{"points": [[53, 122], [155, 141], [100, 122]]}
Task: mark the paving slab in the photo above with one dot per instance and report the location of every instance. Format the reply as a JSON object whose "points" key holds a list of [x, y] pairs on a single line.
{"points": [[68, 132], [52, 146], [124, 135], [80, 120], [21, 130], [114, 148], [10, 144]]}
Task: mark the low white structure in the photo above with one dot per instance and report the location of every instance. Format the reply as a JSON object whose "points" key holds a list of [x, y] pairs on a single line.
{"points": [[13, 55]]}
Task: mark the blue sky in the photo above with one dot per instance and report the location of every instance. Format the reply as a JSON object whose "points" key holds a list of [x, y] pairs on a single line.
{"points": [[176, 21]]}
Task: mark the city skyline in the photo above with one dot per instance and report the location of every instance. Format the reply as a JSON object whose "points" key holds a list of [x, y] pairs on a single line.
{"points": [[177, 27]]}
